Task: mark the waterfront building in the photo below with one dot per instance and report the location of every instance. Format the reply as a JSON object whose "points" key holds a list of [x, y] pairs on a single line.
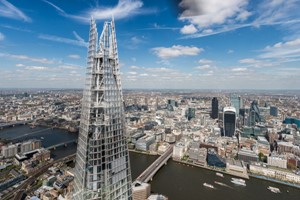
{"points": [[214, 108], [236, 167], [235, 102], [137, 136], [247, 155], [140, 191], [275, 173], [178, 151], [102, 168], [11, 150], [229, 121], [277, 161], [144, 142], [214, 160]]}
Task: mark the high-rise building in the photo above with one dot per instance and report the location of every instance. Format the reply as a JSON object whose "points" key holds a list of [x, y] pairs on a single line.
{"points": [[190, 113], [102, 168], [229, 121], [274, 111], [255, 115], [214, 108], [235, 102]]}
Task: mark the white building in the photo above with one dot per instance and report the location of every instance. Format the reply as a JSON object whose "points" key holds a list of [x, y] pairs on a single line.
{"points": [[178, 151], [277, 161]]}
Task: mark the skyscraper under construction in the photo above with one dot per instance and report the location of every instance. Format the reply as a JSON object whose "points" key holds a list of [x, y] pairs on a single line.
{"points": [[102, 169]]}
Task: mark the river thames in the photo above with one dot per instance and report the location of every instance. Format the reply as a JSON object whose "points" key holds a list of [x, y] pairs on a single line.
{"points": [[175, 180]]}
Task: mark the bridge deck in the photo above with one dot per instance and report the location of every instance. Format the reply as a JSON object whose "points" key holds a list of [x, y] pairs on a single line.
{"points": [[155, 166]]}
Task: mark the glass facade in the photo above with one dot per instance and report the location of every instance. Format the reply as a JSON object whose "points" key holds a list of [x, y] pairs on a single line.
{"points": [[229, 121], [102, 168]]}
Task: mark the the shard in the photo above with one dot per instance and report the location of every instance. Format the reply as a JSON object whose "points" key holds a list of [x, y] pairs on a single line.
{"points": [[102, 169]]}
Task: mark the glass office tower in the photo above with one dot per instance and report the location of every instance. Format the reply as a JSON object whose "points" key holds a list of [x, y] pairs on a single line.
{"points": [[102, 168]]}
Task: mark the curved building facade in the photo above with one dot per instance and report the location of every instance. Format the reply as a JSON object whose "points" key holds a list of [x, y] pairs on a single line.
{"points": [[229, 121]]}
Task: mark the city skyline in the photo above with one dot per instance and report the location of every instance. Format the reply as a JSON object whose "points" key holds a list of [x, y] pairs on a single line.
{"points": [[238, 44]]}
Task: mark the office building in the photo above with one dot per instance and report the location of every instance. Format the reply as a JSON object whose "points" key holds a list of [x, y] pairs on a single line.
{"points": [[102, 168], [235, 102], [214, 108], [274, 111], [229, 121], [140, 191]]}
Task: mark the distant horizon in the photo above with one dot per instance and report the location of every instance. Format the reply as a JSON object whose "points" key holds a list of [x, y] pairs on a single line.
{"points": [[28, 88], [161, 44]]}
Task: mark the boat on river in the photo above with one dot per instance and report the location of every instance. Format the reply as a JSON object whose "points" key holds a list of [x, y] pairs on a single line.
{"points": [[208, 185], [238, 181], [274, 189], [220, 174]]}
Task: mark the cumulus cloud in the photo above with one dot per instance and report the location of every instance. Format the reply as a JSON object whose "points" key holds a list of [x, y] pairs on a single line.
{"points": [[10, 11], [176, 50], [188, 29], [206, 13], [214, 17]]}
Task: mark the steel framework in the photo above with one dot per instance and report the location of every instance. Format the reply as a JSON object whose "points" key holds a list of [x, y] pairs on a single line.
{"points": [[102, 169]]}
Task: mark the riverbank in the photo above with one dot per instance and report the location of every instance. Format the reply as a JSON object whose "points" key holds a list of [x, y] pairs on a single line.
{"points": [[211, 169], [274, 180], [142, 152]]}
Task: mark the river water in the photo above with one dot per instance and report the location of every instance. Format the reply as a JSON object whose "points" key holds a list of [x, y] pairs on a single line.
{"points": [[175, 180]]}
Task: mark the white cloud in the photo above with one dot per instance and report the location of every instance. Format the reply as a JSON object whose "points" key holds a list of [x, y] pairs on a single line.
{"points": [[249, 61], [230, 51], [134, 67], [54, 38], [176, 50], [188, 29], [205, 61], [289, 49], [24, 57], [74, 56], [159, 70], [1, 36], [215, 17], [132, 73], [20, 65], [206, 13], [124, 9], [239, 69], [10, 11], [69, 67], [36, 68], [144, 74], [203, 67]]}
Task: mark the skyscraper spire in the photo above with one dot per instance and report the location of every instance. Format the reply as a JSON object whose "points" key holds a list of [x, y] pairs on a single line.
{"points": [[102, 168]]}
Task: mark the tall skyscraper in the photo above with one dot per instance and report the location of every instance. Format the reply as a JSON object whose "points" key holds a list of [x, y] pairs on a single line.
{"points": [[214, 108], [102, 168], [235, 101], [229, 121]]}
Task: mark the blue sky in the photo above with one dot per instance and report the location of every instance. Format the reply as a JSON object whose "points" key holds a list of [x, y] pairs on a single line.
{"points": [[163, 44]]}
